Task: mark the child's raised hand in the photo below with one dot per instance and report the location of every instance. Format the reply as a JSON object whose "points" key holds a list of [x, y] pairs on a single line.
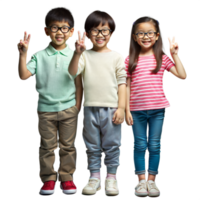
{"points": [[80, 43], [173, 46], [23, 45]]}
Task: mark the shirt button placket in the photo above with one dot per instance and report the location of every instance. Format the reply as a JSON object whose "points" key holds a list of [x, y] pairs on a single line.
{"points": [[57, 61]]}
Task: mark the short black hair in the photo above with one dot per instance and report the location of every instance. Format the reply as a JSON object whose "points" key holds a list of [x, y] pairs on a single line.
{"points": [[98, 17], [59, 14]]}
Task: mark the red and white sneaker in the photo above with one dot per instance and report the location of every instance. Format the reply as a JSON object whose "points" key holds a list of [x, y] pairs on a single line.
{"points": [[48, 188], [68, 187]]}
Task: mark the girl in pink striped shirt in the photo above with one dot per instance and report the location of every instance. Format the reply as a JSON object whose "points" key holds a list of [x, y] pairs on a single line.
{"points": [[146, 101]]}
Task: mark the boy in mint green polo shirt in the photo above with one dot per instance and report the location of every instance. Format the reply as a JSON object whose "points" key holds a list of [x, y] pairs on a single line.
{"points": [[60, 96]]}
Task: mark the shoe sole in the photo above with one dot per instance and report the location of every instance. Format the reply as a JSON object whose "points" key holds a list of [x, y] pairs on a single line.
{"points": [[141, 194], [109, 193], [154, 194], [48, 192], [89, 192], [76, 191]]}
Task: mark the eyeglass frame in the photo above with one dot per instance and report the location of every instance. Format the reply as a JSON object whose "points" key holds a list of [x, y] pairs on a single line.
{"points": [[100, 31], [146, 34], [59, 28]]}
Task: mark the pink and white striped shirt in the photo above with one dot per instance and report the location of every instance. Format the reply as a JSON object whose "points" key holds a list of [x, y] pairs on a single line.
{"points": [[147, 88]]}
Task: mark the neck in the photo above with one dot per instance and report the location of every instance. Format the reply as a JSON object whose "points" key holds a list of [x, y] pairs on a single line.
{"points": [[58, 47], [146, 52], [106, 49]]}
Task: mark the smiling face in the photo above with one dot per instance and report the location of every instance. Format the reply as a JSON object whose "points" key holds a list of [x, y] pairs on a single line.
{"points": [[146, 42], [59, 38], [100, 41]]}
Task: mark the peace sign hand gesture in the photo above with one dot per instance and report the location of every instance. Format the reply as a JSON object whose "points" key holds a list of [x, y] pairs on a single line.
{"points": [[173, 46], [23, 44], [80, 43]]}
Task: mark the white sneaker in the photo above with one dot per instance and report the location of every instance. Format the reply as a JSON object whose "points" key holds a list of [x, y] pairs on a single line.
{"points": [[111, 187], [92, 186], [141, 189], [152, 189]]}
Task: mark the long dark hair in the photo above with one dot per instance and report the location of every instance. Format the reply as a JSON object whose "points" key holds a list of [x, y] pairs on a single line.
{"points": [[135, 48]]}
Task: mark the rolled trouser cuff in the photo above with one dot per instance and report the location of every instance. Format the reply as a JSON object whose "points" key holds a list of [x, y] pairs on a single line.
{"points": [[153, 172], [94, 170], [49, 178], [140, 172], [111, 170]]}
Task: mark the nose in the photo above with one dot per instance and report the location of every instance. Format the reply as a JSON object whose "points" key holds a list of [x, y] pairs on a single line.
{"points": [[59, 31], [145, 35], [100, 35]]}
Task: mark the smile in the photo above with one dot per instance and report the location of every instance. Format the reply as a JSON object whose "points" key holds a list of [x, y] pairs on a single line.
{"points": [[146, 42], [59, 38], [99, 41]]}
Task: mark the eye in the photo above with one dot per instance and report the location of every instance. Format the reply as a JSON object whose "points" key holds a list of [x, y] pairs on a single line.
{"points": [[151, 33], [105, 31], [140, 34], [54, 28]]}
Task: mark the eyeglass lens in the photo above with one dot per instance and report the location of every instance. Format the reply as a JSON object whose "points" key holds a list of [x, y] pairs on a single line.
{"points": [[104, 32], [150, 34], [64, 29]]}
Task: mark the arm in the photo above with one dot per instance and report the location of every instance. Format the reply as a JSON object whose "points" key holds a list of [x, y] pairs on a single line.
{"points": [[128, 81], [79, 91], [122, 96], [118, 117], [80, 46], [179, 71], [21, 68], [73, 66]]}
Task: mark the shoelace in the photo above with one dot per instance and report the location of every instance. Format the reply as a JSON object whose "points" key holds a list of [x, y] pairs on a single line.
{"points": [[140, 186], [92, 183], [153, 186], [111, 184], [47, 184], [72, 183]]}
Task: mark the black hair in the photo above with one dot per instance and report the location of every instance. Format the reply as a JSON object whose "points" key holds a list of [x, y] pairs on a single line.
{"points": [[135, 47], [59, 14], [98, 17]]}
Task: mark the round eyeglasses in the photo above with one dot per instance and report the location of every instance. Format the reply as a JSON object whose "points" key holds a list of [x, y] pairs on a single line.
{"points": [[64, 29], [96, 32], [149, 34]]}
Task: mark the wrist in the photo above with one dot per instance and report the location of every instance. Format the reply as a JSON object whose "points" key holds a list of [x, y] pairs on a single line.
{"points": [[121, 108], [23, 55], [127, 110], [77, 54]]}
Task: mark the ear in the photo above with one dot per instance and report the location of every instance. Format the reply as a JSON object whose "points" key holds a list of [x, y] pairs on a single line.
{"points": [[157, 36], [45, 31], [72, 32], [88, 35], [134, 37]]}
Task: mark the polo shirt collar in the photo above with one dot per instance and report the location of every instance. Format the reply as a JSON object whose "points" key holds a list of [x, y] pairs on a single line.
{"points": [[51, 50]]}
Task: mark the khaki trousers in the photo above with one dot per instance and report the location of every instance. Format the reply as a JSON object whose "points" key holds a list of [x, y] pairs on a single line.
{"points": [[65, 123]]}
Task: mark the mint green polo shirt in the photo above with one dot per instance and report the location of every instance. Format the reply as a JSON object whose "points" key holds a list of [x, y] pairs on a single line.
{"points": [[54, 84]]}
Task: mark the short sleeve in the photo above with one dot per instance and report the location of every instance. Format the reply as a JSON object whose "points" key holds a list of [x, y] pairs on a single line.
{"points": [[126, 67], [32, 65], [167, 62]]}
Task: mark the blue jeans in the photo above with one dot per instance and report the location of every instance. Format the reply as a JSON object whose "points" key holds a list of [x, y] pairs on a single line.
{"points": [[154, 119]]}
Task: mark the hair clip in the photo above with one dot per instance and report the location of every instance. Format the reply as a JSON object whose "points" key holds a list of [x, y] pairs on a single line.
{"points": [[157, 22]]}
